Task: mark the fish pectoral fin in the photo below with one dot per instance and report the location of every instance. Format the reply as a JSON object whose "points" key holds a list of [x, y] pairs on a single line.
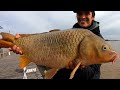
{"points": [[50, 73], [23, 62], [74, 70]]}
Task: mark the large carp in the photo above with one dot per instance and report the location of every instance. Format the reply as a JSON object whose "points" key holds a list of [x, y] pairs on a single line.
{"points": [[61, 49]]}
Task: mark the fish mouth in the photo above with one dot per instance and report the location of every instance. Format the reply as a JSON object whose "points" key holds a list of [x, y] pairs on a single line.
{"points": [[116, 57]]}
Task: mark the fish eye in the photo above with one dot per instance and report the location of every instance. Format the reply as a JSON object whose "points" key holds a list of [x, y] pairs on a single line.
{"points": [[104, 48]]}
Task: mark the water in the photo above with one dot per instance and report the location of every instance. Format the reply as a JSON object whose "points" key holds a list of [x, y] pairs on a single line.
{"points": [[109, 70]]}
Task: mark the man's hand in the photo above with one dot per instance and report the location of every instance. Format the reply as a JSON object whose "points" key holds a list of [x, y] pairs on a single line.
{"points": [[16, 49]]}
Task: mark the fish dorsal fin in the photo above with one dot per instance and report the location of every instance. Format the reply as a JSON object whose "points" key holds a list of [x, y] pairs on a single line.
{"points": [[24, 61], [50, 73], [54, 30]]}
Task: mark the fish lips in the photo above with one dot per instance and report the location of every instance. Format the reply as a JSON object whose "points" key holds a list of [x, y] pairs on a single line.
{"points": [[115, 57]]}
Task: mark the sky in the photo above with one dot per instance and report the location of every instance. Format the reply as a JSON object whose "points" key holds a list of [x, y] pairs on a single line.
{"points": [[43, 21]]}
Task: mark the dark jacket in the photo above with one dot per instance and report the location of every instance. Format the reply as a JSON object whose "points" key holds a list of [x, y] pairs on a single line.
{"points": [[90, 72]]}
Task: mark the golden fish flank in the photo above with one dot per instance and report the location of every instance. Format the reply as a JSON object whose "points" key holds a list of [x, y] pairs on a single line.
{"points": [[60, 49]]}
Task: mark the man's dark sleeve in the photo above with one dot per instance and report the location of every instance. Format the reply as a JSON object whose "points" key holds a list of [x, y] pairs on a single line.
{"points": [[97, 32], [90, 72]]}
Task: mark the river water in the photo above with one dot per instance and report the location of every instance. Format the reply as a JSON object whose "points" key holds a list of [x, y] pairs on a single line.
{"points": [[109, 70]]}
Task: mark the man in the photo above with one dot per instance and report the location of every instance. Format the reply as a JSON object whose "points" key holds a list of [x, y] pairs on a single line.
{"points": [[85, 20]]}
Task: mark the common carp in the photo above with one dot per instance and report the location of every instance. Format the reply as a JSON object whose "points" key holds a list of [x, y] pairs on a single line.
{"points": [[61, 49]]}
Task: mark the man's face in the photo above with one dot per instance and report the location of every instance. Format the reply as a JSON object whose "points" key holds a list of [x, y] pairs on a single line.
{"points": [[85, 18]]}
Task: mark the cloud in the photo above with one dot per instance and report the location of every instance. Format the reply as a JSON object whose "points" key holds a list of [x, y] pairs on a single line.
{"points": [[42, 21]]}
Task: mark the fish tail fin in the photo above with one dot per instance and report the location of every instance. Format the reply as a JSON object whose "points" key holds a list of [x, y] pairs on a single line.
{"points": [[7, 36], [5, 44]]}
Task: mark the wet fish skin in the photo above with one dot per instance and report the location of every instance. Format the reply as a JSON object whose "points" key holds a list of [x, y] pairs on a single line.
{"points": [[57, 49]]}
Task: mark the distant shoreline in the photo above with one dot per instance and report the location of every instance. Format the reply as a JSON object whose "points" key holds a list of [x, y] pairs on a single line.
{"points": [[111, 40]]}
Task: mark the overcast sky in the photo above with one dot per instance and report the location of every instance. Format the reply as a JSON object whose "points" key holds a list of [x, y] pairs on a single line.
{"points": [[42, 21]]}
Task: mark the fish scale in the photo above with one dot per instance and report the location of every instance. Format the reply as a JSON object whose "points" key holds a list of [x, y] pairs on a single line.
{"points": [[61, 49], [47, 46]]}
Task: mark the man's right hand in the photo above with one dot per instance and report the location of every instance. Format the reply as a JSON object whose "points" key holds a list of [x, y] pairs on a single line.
{"points": [[15, 48]]}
